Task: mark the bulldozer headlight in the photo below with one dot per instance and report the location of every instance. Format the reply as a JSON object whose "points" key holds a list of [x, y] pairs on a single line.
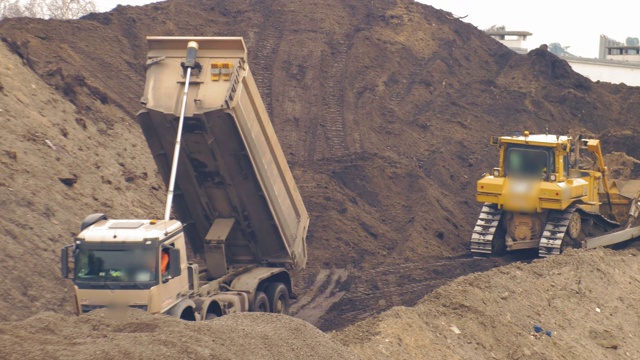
{"points": [[552, 177], [496, 172]]}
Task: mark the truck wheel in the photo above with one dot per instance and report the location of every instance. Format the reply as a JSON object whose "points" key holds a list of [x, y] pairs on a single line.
{"points": [[278, 295], [260, 302]]}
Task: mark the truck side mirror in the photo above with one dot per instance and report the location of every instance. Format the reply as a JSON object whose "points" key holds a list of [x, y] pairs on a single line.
{"points": [[174, 263], [494, 141], [64, 261]]}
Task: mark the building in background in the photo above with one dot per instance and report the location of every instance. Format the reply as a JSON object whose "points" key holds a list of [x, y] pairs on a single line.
{"points": [[617, 62], [514, 40], [611, 49]]}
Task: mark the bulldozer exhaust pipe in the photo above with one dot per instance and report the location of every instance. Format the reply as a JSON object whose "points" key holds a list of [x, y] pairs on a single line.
{"points": [[576, 153], [190, 63]]}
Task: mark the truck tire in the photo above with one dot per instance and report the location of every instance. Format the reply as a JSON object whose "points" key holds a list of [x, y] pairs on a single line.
{"points": [[260, 302], [278, 296]]}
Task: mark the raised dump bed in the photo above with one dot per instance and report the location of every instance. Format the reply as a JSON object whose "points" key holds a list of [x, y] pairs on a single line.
{"points": [[234, 190]]}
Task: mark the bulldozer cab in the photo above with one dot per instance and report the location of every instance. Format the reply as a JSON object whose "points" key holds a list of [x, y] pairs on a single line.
{"points": [[535, 157]]}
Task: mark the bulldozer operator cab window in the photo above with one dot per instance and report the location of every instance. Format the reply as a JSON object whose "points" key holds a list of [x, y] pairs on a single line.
{"points": [[529, 162]]}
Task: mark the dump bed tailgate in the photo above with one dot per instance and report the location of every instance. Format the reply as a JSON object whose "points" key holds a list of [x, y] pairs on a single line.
{"points": [[231, 166]]}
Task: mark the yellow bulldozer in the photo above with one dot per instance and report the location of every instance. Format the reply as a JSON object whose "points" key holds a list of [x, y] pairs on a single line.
{"points": [[542, 196]]}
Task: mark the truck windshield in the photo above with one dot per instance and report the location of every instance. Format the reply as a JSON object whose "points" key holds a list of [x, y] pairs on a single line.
{"points": [[116, 266], [527, 162]]}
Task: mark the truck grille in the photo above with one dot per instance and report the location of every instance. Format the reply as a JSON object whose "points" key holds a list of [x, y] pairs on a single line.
{"points": [[87, 308]]}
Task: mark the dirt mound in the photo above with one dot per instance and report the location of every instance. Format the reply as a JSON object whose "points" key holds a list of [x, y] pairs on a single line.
{"points": [[622, 166], [580, 305], [384, 110], [622, 140], [138, 335], [58, 165]]}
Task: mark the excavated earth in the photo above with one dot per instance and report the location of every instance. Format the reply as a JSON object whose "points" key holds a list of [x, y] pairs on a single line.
{"points": [[384, 110], [580, 305], [139, 335]]}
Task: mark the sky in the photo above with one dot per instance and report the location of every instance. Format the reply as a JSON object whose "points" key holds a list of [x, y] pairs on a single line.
{"points": [[106, 5], [574, 23]]}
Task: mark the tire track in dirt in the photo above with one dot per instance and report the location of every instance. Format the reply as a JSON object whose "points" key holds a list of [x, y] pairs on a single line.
{"points": [[333, 123], [374, 291], [341, 297], [270, 40], [323, 293]]}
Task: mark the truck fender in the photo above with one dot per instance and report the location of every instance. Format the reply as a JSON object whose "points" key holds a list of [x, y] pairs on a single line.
{"points": [[185, 310], [222, 304], [202, 307], [258, 278]]}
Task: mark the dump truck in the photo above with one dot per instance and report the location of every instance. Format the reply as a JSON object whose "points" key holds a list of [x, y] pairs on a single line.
{"points": [[542, 196], [238, 208]]}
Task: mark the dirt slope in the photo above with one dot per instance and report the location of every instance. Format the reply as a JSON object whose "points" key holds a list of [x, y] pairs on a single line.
{"points": [[137, 335], [585, 299], [46, 142], [383, 108]]}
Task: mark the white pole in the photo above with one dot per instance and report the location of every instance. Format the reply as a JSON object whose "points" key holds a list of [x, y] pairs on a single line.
{"points": [[176, 151], [190, 62]]}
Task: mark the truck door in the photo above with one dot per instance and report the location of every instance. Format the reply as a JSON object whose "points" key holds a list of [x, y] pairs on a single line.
{"points": [[173, 283]]}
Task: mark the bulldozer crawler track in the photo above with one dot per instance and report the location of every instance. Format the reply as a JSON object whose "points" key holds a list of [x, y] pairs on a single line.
{"points": [[485, 229], [554, 231], [557, 224], [602, 221]]}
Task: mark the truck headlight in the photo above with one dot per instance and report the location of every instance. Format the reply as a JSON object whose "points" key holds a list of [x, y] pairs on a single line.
{"points": [[496, 172], [552, 177]]}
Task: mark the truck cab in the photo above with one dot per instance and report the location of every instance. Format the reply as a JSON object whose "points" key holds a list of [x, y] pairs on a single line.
{"points": [[127, 256]]}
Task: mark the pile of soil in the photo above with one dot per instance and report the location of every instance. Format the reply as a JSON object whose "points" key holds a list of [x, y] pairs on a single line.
{"points": [[58, 165], [138, 335], [581, 305], [384, 110], [622, 166]]}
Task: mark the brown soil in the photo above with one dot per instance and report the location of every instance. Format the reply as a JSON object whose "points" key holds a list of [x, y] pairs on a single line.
{"points": [[585, 299], [384, 110], [622, 166], [138, 335], [44, 141]]}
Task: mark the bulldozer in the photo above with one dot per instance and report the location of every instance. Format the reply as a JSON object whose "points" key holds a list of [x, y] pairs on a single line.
{"points": [[543, 196]]}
